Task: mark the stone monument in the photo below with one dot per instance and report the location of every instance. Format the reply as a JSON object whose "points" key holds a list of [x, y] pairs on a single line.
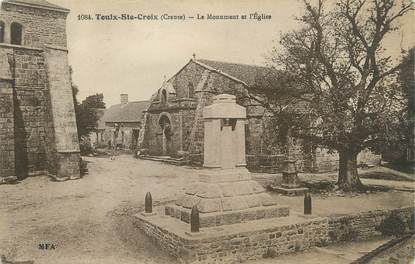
{"points": [[290, 184], [225, 193], [227, 217]]}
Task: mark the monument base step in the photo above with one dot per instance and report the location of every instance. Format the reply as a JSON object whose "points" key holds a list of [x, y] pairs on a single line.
{"points": [[230, 217], [289, 191], [64, 178], [232, 243], [166, 159], [262, 238]]}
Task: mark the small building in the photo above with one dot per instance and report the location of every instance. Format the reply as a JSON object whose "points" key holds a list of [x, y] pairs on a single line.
{"points": [[120, 124]]}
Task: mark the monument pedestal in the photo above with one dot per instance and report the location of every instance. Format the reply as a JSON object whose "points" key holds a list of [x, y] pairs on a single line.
{"points": [[225, 200], [291, 191], [233, 243], [224, 197], [226, 193]]}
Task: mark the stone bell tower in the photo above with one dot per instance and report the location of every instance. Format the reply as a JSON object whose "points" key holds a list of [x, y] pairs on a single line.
{"points": [[226, 193], [38, 133]]}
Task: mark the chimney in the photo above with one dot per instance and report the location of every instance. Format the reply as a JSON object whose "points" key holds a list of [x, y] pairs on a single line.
{"points": [[124, 99]]}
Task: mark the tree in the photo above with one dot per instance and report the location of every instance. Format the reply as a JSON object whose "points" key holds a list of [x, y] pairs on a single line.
{"points": [[86, 114], [334, 86], [407, 121]]}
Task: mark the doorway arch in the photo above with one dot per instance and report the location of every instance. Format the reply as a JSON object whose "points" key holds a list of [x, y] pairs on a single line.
{"points": [[166, 129]]}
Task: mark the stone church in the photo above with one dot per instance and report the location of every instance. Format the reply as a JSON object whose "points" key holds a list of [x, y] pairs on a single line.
{"points": [[38, 134], [174, 121]]}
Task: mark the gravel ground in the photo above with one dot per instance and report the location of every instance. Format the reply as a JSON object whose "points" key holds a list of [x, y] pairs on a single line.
{"points": [[88, 220]]}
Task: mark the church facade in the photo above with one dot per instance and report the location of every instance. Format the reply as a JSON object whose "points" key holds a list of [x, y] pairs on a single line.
{"points": [[173, 122], [38, 134]]}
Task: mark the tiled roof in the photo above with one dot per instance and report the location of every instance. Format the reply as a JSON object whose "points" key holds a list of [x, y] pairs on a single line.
{"points": [[130, 112], [37, 3], [243, 72]]}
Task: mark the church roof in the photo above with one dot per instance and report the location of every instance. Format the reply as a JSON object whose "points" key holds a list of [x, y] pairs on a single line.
{"points": [[38, 4], [242, 72], [129, 112]]}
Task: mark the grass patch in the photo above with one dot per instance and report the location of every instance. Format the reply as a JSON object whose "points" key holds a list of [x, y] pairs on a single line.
{"points": [[380, 175]]}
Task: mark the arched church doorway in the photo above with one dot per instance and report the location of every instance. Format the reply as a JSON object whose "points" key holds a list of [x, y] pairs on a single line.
{"points": [[165, 126]]}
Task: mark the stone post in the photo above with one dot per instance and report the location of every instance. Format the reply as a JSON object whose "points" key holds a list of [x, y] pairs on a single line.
{"points": [[194, 220], [307, 204], [148, 203]]}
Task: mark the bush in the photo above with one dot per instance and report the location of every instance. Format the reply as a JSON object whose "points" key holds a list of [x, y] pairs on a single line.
{"points": [[392, 225], [85, 147]]}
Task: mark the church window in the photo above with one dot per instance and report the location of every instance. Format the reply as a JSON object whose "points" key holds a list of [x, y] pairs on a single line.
{"points": [[16, 33], [163, 96], [1, 31], [190, 90]]}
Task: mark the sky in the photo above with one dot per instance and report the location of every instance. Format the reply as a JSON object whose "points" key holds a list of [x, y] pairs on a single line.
{"points": [[134, 57]]}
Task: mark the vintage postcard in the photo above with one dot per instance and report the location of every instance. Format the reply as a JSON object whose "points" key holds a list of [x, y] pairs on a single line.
{"points": [[207, 131]]}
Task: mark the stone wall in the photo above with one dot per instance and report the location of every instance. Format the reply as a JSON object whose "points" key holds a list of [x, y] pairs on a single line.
{"points": [[363, 225], [63, 112], [30, 107], [249, 244], [330, 161], [6, 129]]}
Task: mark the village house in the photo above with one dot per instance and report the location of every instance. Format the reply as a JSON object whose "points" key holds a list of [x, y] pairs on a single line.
{"points": [[119, 126], [38, 133], [174, 121]]}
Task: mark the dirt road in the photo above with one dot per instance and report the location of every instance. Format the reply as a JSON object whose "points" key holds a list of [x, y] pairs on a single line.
{"points": [[88, 220]]}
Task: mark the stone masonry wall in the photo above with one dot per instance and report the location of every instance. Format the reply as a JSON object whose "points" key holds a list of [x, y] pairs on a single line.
{"points": [[249, 245], [330, 161], [363, 225], [63, 112], [30, 107], [6, 129]]}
